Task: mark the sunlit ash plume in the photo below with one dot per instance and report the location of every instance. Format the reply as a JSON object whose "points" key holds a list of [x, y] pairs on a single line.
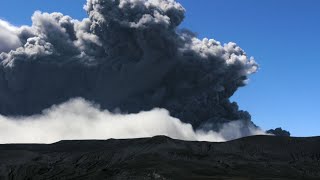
{"points": [[129, 55]]}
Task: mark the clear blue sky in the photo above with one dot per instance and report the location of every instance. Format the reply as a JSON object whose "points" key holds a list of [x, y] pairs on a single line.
{"points": [[283, 36]]}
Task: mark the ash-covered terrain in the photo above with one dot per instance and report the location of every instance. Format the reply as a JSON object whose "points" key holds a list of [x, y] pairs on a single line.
{"points": [[160, 157]]}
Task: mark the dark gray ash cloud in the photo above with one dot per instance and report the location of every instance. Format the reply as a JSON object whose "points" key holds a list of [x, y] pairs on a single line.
{"points": [[128, 54], [278, 132]]}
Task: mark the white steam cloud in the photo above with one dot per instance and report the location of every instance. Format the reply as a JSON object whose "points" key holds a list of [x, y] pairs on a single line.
{"points": [[80, 119], [9, 39]]}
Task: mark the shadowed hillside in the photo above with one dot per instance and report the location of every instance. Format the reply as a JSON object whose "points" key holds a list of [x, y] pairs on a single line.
{"points": [[257, 157]]}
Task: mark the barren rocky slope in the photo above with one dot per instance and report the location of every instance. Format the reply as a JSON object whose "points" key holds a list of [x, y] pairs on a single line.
{"points": [[258, 157]]}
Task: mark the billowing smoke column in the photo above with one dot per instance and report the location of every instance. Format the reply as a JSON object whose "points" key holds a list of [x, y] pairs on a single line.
{"points": [[128, 54]]}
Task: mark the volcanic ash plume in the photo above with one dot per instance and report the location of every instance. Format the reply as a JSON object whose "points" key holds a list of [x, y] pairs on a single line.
{"points": [[128, 55]]}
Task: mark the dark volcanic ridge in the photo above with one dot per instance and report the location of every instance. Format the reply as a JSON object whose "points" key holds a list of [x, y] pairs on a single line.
{"points": [[160, 157]]}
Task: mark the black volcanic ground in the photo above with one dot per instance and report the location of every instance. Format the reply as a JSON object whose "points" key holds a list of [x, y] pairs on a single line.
{"points": [[258, 157]]}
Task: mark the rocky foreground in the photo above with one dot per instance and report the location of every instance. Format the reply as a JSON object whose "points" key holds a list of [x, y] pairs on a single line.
{"points": [[258, 157]]}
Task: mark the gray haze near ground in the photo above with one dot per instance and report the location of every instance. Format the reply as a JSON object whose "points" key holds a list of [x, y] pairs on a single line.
{"points": [[128, 55]]}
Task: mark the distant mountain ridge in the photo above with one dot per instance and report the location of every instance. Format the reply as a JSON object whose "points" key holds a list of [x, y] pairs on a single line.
{"points": [[160, 157]]}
